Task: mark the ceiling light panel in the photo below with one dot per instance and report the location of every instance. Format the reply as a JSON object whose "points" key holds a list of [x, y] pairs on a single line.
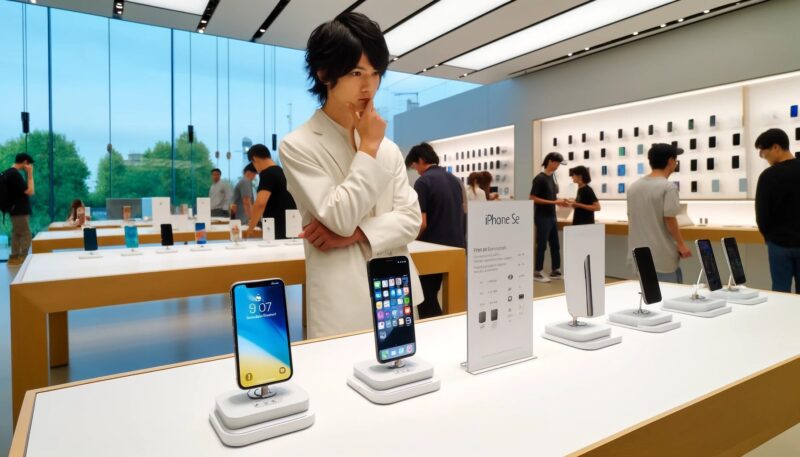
{"points": [[436, 20], [186, 6], [591, 16]]}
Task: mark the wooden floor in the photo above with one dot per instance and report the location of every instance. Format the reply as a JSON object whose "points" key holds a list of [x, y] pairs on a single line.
{"points": [[129, 337]]}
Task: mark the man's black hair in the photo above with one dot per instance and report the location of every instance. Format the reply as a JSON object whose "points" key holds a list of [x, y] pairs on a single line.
{"points": [[772, 137], [217, 170], [422, 151], [249, 168], [581, 171], [22, 158], [335, 47], [258, 150]]}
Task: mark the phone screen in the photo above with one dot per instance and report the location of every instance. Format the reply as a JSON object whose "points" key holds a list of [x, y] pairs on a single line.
{"points": [[392, 314], [90, 238], [261, 333], [709, 264], [166, 235], [131, 237], [734, 260], [648, 279], [200, 233]]}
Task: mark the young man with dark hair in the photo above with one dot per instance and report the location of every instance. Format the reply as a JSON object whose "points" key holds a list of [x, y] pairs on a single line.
{"points": [[19, 190], [778, 209], [242, 206], [220, 194], [653, 207], [272, 196], [441, 201], [544, 193], [350, 182], [585, 203]]}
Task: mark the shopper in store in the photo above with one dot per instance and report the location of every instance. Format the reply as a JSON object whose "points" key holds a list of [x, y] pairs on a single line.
{"points": [[653, 206], [485, 183], [242, 206], [441, 201], [77, 213], [544, 193], [272, 196], [474, 191], [349, 181], [220, 194], [585, 203], [16, 201], [778, 209]]}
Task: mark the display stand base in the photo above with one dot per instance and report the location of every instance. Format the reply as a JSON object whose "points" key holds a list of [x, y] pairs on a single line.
{"points": [[90, 256], [645, 321], [236, 246], [268, 244], [240, 420], [740, 296], [166, 251], [200, 248], [386, 384], [701, 307], [293, 241], [132, 252], [585, 336]]}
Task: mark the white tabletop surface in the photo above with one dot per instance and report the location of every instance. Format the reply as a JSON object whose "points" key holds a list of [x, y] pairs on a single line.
{"points": [[559, 403], [67, 265]]}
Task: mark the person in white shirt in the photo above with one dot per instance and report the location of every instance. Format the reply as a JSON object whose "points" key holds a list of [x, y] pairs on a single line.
{"points": [[220, 194]]}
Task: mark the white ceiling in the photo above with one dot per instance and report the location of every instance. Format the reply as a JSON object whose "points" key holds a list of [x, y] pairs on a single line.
{"points": [[240, 19]]}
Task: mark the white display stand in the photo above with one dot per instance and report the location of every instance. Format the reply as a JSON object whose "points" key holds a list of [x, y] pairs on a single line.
{"points": [[132, 252], [90, 255], [200, 248], [499, 285], [241, 418], [268, 232], [740, 295], [643, 320], [385, 384], [167, 250], [696, 304], [584, 286]]}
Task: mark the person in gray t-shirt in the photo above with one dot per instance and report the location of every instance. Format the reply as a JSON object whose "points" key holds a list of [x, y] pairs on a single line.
{"points": [[242, 206], [653, 206], [220, 195]]}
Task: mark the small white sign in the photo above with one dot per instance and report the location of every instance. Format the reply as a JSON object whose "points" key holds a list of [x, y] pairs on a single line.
{"points": [[585, 269], [294, 223], [500, 284], [268, 229]]}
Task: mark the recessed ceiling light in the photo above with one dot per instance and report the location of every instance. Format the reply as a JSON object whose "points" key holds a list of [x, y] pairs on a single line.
{"points": [[663, 25], [569, 55], [202, 30], [706, 11], [680, 20], [440, 18], [590, 16], [635, 33], [203, 21], [196, 7], [436, 66], [465, 74], [395, 59], [262, 30], [585, 49]]}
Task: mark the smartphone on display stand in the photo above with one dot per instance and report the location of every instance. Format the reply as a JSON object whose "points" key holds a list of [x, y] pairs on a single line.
{"points": [[200, 235], [131, 237], [735, 265], [166, 239], [648, 278], [709, 264], [261, 333], [90, 239], [392, 308]]}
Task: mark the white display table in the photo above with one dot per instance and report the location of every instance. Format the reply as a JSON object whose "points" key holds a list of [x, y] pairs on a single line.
{"points": [[714, 386], [49, 285]]}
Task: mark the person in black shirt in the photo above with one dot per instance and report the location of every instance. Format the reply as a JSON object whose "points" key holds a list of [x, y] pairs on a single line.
{"points": [[272, 197], [778, 209], [19, 190], [586, 202], [441, 201], [544, 193]]}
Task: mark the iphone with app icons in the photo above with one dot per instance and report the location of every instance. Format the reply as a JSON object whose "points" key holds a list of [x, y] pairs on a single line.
{"points": [[392, 308]]}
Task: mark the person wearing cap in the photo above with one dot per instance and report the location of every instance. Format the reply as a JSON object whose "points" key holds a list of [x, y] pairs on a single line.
{"points": [[544, 191], [20, 189], [778, 209], [653, 206], [586, 202]]}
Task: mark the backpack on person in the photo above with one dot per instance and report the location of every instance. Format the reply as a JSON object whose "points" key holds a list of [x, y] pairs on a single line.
{"points": [[6, 199]]}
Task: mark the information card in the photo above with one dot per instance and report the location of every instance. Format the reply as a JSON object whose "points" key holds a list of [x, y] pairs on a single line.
{"points": [[500, 284]]}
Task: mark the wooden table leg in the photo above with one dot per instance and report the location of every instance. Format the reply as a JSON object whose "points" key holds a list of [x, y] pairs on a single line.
{"points": [[59, 339], [454, 286], [29, 365]]}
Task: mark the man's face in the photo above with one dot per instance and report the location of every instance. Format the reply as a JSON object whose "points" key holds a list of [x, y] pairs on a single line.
{"points": [[552, 166], [418, 166], [215, 175], [249, 176], [260, 163], [356, 88], [771, 155]]}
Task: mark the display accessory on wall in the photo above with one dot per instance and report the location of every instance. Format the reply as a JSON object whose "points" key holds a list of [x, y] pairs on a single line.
{"points": [[693, 143], [269, 405], [621, 170], [640, 318], [712, 121], [619, 133], [396, 376], [712, 142], [602, 135], [793, 111], [603, 153], [622, 151], [737, 139], [715, 185], [583, 138], [90, 244], [621, 188], [734, 291], [584, 284], [694, 186], [571, 155], [166, 240], [691, 124], [569, 139], [797, 133], [636, 131], [710, 164], [693, 165], [650, 129], [735, 162], [696, 304], [669, 127], [604, 170], [586, 154], [131, 241]]}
